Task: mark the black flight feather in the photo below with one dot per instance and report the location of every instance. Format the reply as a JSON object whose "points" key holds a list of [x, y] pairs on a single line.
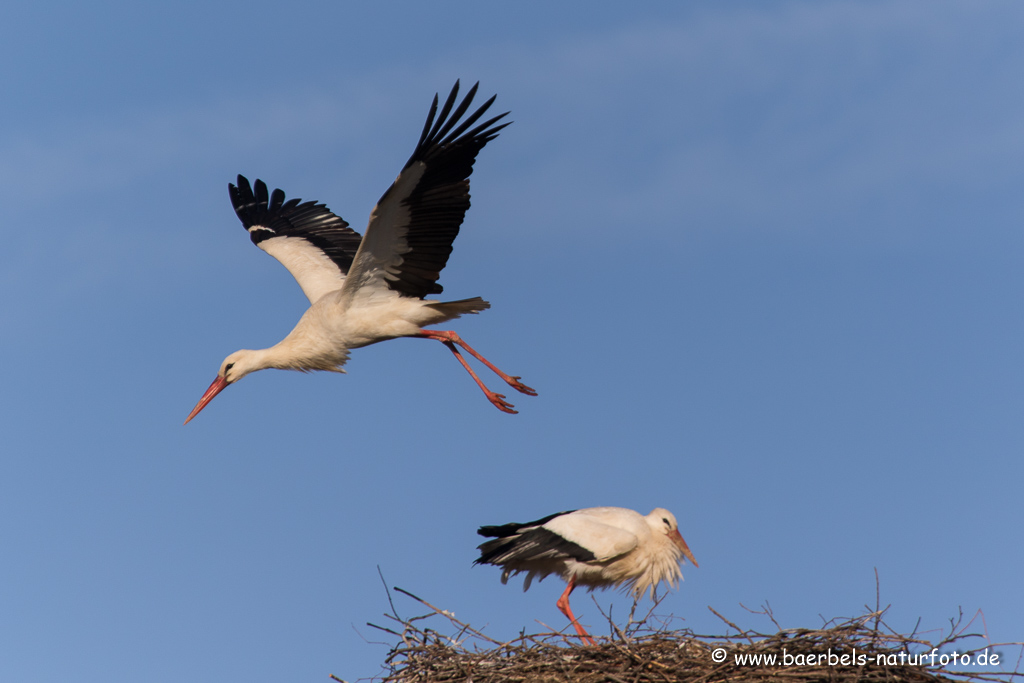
{"points": [[504, 530], [533, 545], [438, 203], [517, 543], [273, 217]]}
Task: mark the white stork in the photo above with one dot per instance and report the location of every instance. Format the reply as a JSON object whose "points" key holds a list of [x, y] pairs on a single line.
{"points": [[594, 547], [364, 290]]}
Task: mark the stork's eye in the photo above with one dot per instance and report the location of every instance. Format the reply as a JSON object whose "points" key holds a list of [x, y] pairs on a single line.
{"points": [[228, 366], [667, 523]]}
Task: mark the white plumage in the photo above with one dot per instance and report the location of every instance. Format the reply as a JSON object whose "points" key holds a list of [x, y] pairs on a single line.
{"points": [[370, 288], [594, 547]]}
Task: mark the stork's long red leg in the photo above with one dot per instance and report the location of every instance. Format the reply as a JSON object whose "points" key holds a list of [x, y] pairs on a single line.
{"points": [[453, 337], [563, 605], [450, 339], [497, 399]]}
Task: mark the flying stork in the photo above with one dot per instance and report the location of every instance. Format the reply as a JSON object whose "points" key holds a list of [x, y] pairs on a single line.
{"points": [[370, 288], [593, 547]]}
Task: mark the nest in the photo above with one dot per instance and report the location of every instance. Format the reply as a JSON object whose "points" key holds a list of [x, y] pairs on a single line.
{"points": [[649, 650]]}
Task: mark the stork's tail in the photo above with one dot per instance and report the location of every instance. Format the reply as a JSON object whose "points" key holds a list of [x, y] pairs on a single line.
{"points": [[453, 309]]}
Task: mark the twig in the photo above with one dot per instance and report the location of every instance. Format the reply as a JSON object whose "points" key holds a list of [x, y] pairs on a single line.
{"points": [[390, 601], [449, 616], [878, 600], [738, 630]]}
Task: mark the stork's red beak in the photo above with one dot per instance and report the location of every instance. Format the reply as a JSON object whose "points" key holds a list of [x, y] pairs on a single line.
{"points": [[215, 388], [677, 538]]}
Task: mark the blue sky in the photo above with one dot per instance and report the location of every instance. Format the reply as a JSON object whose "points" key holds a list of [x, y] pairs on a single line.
{"points": [[762, 261]]}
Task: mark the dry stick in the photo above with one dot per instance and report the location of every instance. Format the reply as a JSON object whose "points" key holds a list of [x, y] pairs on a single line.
{"points": [[654, 605], [878, 600], [386, 591], [554, 632], [448, 615], [738, 630], [766, 610], [381, 628]]}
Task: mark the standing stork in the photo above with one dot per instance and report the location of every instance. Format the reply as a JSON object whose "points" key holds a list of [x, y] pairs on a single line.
{"points": [[367, 289], [594, 547]]}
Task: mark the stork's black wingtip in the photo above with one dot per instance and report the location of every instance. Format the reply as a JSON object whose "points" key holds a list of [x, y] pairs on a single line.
{"points": [[243, 184]]}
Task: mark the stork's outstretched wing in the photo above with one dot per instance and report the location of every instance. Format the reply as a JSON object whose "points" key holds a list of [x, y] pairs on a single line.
{"points": [[411, 230], [316, 246]]}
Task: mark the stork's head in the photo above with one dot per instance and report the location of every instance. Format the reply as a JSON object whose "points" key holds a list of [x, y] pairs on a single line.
{"points": [[235, 367], [664, 522]]}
